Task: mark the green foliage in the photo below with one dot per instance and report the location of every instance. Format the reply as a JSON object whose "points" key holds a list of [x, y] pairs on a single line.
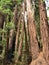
{"points": [[7, 27], [10, 25], [48, 8], [48, 20], [4, 31], [19, 1], [2, 42], [5, 6]]}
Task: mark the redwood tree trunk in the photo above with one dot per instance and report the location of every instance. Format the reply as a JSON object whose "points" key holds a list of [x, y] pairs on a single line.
{"points": [[44, 28], [32, 31]]}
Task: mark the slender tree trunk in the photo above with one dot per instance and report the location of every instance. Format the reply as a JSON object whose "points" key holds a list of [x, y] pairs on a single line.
{"points": [[15, 18], [21, 41], [17, 38], [6, 48], [32, 31], [12, 32], [1, 20], [1, 23], [7, 42], [11, 38]]}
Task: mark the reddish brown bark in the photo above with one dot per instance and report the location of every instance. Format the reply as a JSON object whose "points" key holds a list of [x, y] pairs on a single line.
{"points": [[43, 56], [44, 28], [39, 61], [32, 31]]}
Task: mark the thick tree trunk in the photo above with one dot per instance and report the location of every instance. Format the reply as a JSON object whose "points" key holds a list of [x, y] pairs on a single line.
{"points": [[32, 31], [43, 56], [26, 31], [44, 28]]}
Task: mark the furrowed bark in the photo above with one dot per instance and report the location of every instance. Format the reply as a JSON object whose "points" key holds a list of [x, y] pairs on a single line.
{"points": [[44, 28], [43, 56], [32, 31], [27, 45], [26, 27]]}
